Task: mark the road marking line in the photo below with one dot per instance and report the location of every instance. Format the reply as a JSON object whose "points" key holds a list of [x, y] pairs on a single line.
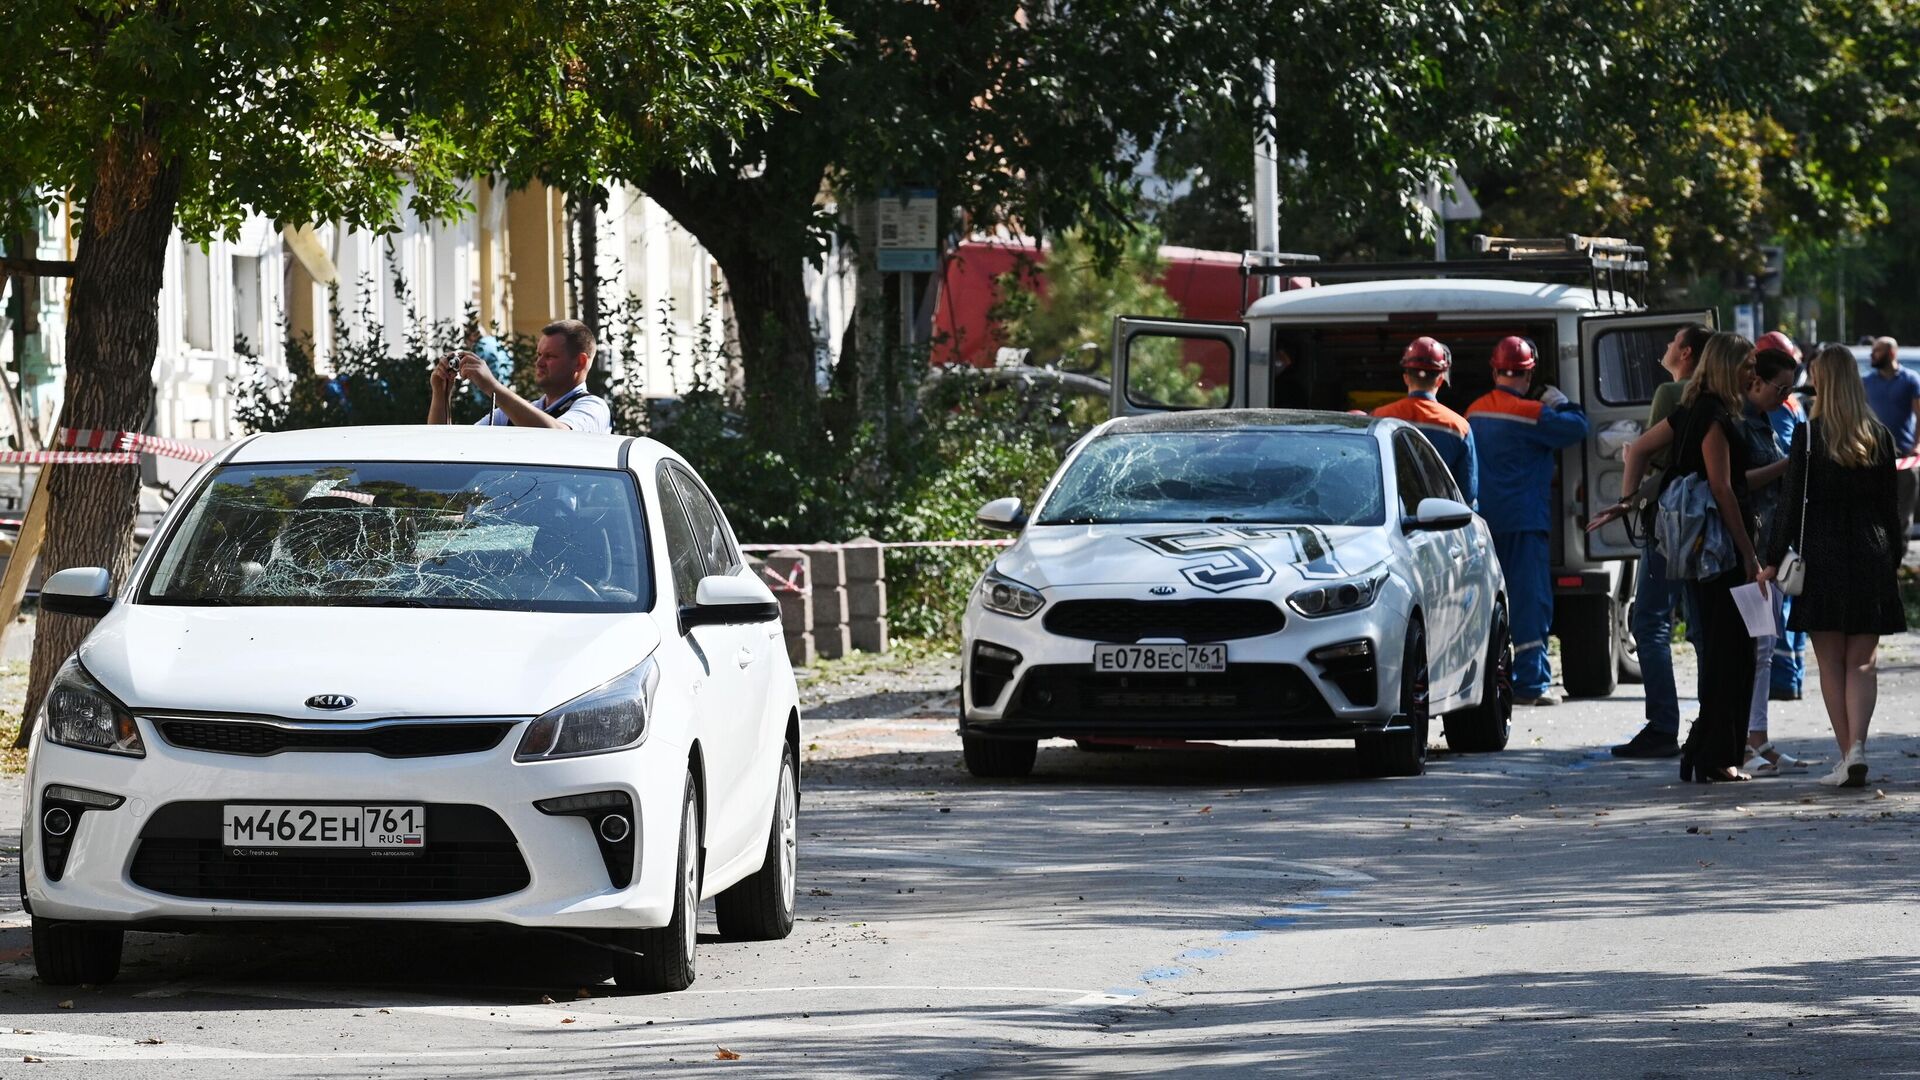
{"points": [[999, 864]]}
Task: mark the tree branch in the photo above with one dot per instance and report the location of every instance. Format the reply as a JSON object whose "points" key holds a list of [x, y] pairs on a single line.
{"points": [[36, 267]]}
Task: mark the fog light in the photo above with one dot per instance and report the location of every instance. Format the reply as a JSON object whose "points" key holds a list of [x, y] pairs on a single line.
{"points": [[615, 828], [57, 821]]}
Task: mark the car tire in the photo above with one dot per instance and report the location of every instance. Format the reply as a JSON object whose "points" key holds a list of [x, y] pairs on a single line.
{"points": [[760, 906], [71, 953], [1484, 729], [1403, 753], [998, 759], [1590, 645], [1629, 648], [660, 959]]}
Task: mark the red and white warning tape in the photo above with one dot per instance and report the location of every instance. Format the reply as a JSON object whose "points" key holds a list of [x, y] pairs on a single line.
{"points": [[892, 544], [65, 457], [95, 446]]}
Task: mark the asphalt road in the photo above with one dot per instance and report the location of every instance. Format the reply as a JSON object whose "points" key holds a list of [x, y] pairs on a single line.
{"points": [[1545, 911]]}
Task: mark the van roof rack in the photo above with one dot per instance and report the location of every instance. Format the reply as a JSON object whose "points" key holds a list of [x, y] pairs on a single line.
{"points": [[1602, 263]]}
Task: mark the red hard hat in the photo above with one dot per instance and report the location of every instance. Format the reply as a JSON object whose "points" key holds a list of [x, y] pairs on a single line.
{"points": [[1513, 356], [1774, 339], [1426, 354]]}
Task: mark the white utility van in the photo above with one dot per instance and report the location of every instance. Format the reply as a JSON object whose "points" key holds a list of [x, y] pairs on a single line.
{"points": [[1336, 344]]}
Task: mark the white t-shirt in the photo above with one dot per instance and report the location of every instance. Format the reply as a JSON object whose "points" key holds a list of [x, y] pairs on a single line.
{"points": [[575, 409]]}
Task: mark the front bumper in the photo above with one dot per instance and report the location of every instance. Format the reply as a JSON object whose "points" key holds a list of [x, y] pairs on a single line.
{"points": [[1020, 680], [171, 797]]}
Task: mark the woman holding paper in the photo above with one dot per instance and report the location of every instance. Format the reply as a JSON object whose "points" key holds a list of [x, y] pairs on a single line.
{"points": [[1839, 514], [1706, 434], [1768, 386]]}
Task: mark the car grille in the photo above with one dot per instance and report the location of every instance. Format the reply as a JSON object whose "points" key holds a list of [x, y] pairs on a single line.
{"points": [[399, 740], [1243, 692], [1187, 620], [470, 854]]}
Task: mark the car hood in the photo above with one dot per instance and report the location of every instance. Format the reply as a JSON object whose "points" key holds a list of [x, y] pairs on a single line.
{"points": [[392, 662], [1195, 560]]}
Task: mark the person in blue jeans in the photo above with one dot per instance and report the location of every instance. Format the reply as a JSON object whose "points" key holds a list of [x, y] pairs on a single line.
{"points": [[1654, 597], [1787, 670]]}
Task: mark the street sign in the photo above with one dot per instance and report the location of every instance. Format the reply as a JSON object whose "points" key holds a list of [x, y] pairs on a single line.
{"points": [[909, 231], [1744, 321]]}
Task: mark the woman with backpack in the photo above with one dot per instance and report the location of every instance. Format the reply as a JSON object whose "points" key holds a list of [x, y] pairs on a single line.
{"points": [[1710, 464], [1839, 518]]}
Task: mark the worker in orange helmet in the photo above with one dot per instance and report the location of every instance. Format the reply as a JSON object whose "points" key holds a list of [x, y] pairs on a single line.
{"points": [[1424, 367]]}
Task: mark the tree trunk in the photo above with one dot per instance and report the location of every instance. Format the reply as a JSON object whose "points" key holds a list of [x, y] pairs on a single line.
{"points": [[112, 333], [758, 230]]}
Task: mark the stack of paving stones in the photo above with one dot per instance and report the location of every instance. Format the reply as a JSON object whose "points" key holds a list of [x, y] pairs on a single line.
{"points": [[866, 563], [827, 574]]}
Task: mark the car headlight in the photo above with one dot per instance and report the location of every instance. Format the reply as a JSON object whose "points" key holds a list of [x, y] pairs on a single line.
{"points": [[1007, 596], [610, 717], [1338, 596], [80, 713]]}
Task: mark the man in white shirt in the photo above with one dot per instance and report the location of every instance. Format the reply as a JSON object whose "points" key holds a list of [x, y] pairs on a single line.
{"points": [[559, 370]]}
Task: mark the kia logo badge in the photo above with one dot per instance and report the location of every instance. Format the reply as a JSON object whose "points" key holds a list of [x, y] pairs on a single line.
{"points": [[330, 702], [1161, 590]]}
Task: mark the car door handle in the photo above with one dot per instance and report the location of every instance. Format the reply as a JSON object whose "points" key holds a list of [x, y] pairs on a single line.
{"points": [[744, 657]]}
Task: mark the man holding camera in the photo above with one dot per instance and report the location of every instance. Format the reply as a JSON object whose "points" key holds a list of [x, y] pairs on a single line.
{"points": [[559, 370]]}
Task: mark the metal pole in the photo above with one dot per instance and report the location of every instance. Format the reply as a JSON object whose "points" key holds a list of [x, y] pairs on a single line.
{"points": [[1266, 172], [1439, 223]]}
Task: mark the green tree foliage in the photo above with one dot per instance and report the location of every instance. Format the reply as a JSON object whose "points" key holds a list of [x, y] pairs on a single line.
{"points": [[1038, 116]]}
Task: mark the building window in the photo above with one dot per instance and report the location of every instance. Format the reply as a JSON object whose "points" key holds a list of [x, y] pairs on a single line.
{"points": [[196, 288]]}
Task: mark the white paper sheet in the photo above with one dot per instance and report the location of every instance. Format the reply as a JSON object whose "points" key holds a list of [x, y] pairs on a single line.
{"points": [[1755, 602]]}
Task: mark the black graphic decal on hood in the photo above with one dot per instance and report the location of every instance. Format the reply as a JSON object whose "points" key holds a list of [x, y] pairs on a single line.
{"points": [[1311, 549], [1216, 563]]}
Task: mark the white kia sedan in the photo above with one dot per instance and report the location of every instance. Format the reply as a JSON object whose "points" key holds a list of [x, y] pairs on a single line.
{"points": [[422, 674], [1240, 575]]}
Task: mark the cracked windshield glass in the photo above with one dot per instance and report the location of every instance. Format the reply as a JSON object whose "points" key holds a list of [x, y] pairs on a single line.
{"points": [[1269, 477], [408, 534]]}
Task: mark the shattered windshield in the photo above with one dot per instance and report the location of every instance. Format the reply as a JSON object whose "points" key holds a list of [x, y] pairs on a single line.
{"points": [[409, 534], [1275, 477]]}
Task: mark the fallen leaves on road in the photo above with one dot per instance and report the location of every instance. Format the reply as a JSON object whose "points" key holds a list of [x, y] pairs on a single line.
{"points": [[583, 992], [67, 1004], [568, 1020], [818, 892], [23, 1031], [545, 1000], [148, 1042], [31, 1059], [721, 1053], [1206, 809]]}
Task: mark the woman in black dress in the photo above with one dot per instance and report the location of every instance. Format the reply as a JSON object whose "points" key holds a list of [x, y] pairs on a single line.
{"points": [[1841, 477]]}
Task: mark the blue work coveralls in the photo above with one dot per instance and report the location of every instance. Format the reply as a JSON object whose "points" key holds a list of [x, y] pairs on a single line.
{"points": [[1449, 433], [1517, 439]]}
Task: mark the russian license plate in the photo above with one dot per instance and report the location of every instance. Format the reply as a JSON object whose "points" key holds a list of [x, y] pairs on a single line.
{"points": [[271, 825], [1176, 659]]}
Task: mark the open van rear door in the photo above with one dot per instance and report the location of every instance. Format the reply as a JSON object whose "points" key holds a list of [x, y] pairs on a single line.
{"points": [[1619, 371], [1163, 364]]}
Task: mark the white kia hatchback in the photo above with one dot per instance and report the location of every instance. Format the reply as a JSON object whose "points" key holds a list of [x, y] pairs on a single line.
{"points": [[423, 674]]}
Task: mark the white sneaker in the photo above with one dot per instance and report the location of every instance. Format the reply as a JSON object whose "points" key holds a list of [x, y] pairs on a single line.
{"points": [[1837, 777], [1856, 766]]}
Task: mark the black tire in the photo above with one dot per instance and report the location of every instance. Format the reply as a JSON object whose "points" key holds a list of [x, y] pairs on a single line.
{"points": [[1093, 747], [70, 953], [1485, 728], [759, 907], [1589, 645], [1403, 753], [998, 759], [660, 960], [1629, 648]]}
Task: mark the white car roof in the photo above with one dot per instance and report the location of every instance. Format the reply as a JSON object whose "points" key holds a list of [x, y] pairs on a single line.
{"points": [[460, 442], [1376, 298]]}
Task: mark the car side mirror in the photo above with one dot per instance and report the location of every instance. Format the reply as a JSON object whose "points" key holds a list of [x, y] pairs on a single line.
{"points": [[1005, 515], [1440, 515], [86, 591], [729, 600]]}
